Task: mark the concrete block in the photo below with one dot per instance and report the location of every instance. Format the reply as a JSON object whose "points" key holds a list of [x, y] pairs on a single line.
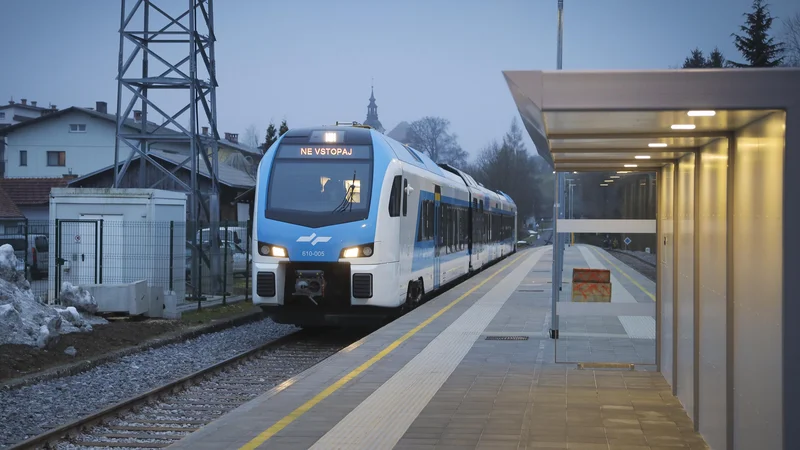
{"points": [[156, 297]]}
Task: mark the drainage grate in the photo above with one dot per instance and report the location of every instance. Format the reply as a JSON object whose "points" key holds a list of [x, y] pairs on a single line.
{"points": [[506, 338]]}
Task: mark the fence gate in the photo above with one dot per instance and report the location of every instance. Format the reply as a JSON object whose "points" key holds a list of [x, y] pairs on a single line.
{"points": [[78, 252]]}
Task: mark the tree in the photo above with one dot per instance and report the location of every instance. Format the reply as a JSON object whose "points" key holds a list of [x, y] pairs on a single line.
{"points": [[250, 136], [270, 137], [715, 59], [284, 128], [758, 49], [697, 61], [508, 167], [429, 135], [791, 39]]}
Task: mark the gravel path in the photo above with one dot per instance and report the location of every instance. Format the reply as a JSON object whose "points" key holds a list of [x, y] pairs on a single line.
{"points": [[31, 410]]}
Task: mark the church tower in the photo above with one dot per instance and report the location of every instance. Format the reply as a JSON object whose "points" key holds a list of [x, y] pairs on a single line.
{"points": [[372, 113]]}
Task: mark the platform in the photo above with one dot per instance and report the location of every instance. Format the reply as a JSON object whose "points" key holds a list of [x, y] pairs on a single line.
{"points": [[435, 379]]}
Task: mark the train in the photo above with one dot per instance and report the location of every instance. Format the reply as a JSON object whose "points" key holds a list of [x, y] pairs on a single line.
{"points": [[352, 226]]}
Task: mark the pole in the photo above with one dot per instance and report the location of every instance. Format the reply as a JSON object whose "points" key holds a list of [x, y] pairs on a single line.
{"points": [[560, 30], [558, 249]]}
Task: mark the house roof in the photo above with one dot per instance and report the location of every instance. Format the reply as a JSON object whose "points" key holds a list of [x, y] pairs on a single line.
{"points": [[31, 191], [27, 106], [8, 209], [229, 176], [151, 127]]}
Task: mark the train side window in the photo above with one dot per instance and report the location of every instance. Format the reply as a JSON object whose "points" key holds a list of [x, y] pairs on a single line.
{"points": [[405, 197], [394, 197]]}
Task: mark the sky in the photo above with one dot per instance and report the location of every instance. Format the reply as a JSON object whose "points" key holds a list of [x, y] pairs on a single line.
{"points": [[312, 62]]}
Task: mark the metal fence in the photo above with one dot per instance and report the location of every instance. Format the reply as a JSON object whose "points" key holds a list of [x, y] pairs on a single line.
{"points": [[89, 252]]}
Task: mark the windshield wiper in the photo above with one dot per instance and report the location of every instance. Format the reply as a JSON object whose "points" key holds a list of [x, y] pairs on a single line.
{"points": [[348, 197]]}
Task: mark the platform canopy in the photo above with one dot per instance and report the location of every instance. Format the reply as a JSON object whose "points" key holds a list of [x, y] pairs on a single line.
{"points": [[601, 121]]}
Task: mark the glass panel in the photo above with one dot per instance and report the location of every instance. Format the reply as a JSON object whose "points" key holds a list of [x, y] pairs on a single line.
{"points": [[606, 311]]}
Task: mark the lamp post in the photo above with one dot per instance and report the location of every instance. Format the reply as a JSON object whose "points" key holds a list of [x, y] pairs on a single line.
{"points": [[558, 242]]}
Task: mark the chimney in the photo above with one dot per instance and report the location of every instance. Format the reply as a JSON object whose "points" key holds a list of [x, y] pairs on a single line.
{"points": [[24, 101], [205, 131], [232, 137], [33, 103], [137, 116], [101, 107], [54, 107], [11, 102]]}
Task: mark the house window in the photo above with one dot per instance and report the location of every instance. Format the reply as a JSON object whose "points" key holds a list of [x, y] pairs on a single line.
{"points": [[77, 128], [2, 115], [56, 158], [23, 157]]}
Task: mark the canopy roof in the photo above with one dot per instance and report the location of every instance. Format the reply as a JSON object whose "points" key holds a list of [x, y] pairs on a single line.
{"points": [[600, 121]]}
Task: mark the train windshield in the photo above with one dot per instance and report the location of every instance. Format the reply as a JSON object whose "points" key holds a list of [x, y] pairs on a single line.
{"points": [[318, 186]]}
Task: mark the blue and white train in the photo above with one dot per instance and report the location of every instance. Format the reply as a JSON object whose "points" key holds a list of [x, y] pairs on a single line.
{"points": [[350, 224]]}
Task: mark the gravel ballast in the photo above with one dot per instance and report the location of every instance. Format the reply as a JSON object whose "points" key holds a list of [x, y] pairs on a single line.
{"points": [[31, 410]]}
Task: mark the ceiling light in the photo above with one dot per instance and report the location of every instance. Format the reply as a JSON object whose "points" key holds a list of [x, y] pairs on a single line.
{"points": [[615, 176], [656, 144], [631, 165], [603, 184], [702, 113], [608, 181], [624, 171], [574, 172], [642, 156], [683, 126]]}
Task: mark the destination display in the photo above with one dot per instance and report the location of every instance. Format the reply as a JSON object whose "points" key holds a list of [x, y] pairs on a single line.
{"points": [[312, 151]]}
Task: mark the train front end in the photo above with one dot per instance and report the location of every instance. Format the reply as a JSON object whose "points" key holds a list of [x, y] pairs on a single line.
{"points": [[316, 257]]}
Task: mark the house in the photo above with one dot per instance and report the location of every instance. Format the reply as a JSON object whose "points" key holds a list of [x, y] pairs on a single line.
{"points": [[11, 218], [233, 182], [32, 196], [14, 113], [78, 141]]}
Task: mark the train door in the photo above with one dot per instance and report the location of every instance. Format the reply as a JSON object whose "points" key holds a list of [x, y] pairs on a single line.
{"points": [[437, 233]]}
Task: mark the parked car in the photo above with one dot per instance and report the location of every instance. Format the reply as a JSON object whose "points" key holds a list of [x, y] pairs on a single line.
{"points": [[33, 250]]}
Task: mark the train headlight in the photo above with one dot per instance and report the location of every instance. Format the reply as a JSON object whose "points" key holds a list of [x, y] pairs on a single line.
{"points": [[271, 250], [358, 252]]}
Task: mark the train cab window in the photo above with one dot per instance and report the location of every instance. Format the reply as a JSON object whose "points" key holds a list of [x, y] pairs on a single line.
{"points": [[394, 198], [405, 197]]}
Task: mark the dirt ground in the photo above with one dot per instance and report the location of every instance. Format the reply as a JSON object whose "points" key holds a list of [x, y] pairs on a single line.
{"points": [[20, 360]]}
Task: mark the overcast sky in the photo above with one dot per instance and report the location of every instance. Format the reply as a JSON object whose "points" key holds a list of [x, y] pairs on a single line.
{"points": [[312, 61]]}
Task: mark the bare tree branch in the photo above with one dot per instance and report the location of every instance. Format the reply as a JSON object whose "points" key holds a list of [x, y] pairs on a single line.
{"points": [[251, 137], [791, 40]]}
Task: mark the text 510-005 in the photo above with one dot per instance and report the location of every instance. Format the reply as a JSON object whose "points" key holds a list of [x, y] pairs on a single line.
{"points": [[314, 253]]}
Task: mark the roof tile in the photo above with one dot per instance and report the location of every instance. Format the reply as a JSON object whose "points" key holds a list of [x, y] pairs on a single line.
{"points": [[31, 191], [8, 209]]}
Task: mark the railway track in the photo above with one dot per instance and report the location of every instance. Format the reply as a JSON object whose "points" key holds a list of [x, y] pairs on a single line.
{"points": [[162, 416]]}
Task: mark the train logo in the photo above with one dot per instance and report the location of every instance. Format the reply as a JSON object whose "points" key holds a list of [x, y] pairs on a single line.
{"points": [[313, 239]]}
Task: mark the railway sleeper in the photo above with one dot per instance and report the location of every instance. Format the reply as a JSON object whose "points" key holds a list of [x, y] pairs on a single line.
{"points": [[123, 444], [166, 437], [136, 428]]}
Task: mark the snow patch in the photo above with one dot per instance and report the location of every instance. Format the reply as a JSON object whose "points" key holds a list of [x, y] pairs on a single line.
{"points": [[24, 320]]}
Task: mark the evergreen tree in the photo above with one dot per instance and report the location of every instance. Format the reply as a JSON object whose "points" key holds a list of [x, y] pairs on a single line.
{"points": [[270, 138], [758, 49], [284, 128], [695, 61], [715, 59]]}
